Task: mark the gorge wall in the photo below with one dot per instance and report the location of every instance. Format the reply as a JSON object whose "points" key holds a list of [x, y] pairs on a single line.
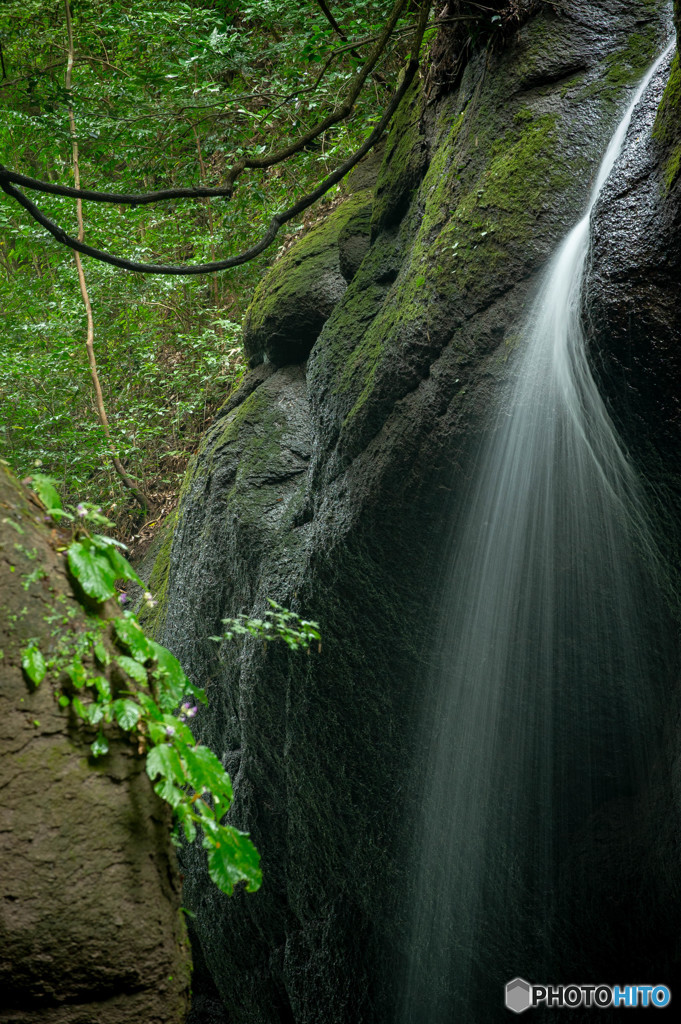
{"points": [[90, 921], [329, 481]]}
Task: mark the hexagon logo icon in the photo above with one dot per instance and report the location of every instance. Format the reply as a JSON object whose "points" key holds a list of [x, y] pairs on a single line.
{"points": [[518, 995]]}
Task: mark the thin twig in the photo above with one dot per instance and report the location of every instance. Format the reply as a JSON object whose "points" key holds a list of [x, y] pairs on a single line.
{"points": [[89, 340]]}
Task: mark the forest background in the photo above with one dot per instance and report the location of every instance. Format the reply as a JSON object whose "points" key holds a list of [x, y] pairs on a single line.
{"points": [[163, 95]]}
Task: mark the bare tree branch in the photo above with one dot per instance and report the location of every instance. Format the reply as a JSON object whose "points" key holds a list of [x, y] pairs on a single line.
{"points": [[117, 198]]}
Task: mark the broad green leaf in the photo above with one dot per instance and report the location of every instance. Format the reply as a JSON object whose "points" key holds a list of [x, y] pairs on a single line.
{"points": [[43, 486], [173, 683], [131, 635], [127, 713], [205, 772], [80, 708], [77, 672], [170, 793], [232, 858], [64, 701], [92, 570], [119, 563], [170, 727], [151, 708], [94, 712], [133, 669], [101, 654], [164, 760], [33, 664], [184, 816], [100, 745], [102, 686]]}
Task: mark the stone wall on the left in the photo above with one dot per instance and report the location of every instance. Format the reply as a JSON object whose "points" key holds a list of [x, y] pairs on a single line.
{"points": [[90, 920]]}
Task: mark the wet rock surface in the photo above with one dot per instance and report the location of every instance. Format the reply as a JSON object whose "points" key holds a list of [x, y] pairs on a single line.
{"points": [[632, 301], [330, 485]]}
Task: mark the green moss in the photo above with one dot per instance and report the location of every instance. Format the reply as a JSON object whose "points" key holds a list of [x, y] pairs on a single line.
{"points": [[499, 208], [667, 127], [403, 165], [296, 296], [259, 423], [625, 67], [476, 212]]}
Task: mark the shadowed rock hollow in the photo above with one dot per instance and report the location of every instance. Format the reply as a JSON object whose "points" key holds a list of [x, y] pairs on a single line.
{"points": [[330, 480]]}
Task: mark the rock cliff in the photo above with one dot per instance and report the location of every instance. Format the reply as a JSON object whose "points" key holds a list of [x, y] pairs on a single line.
{"points": [[330, 480]]}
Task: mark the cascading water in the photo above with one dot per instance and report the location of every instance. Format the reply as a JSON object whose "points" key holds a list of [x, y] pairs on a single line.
{"points": [[545, 712]]}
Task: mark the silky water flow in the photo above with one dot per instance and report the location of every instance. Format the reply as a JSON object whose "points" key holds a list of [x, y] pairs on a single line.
{"points": [[544, 712]]}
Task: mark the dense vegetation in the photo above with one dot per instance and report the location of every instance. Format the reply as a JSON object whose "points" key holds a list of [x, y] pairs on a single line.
{"points": [[162, 96]]}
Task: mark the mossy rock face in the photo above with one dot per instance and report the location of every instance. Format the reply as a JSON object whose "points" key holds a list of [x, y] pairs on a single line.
{"points": [[297, 295], [330, 487]]}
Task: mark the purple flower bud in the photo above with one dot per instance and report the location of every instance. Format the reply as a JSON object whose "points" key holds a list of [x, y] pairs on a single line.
{"points": [[191, 712], [122, 597], [170, 731], [81, 510]]}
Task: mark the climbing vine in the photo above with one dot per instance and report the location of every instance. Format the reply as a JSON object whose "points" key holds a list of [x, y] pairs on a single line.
{"points": [[112, 674]]}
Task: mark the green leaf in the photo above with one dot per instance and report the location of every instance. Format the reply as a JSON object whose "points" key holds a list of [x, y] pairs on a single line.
{"points": [[77, 672], [232, 858], [119, 563], [127, 713], [94, 712], [44, 487], [150, 707], [131, 635], [170, 793], [92, 570], [101, 654], [173, 683], [205, 772], [80, 708], [64, 701], [185, 817], [133, 669], [102, 686], [33, 664], [164, 760], [160, 731], [100, 745]]}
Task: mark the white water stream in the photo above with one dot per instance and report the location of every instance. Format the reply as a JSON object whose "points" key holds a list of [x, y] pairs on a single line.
{"points": [[544, 708]]}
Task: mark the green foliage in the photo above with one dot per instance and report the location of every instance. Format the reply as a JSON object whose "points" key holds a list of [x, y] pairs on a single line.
{"points": [[33, 664], [139, 697], [277, 624], [111, 674], [163, 95]]}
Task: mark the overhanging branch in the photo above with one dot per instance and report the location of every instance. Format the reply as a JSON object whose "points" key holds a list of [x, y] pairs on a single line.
{"points": [[9, 178]]}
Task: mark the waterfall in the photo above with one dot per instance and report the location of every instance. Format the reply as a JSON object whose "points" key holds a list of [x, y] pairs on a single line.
{"points": [[545, 710]]}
